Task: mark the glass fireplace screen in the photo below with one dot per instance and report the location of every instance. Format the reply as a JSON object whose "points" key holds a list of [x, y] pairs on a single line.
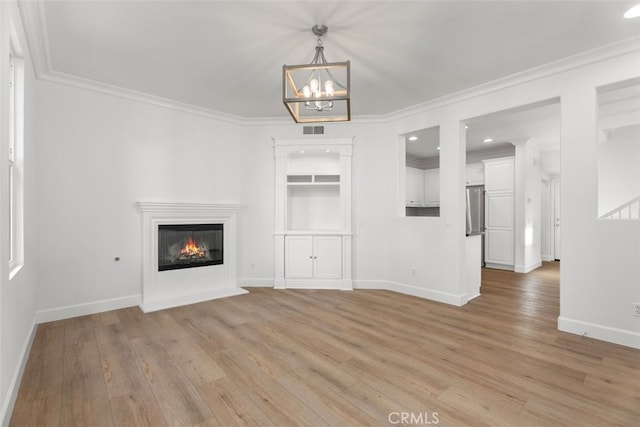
{"points": [[189, 245]]}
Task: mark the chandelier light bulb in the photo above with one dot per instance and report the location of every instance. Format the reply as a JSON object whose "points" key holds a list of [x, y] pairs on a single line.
{"points": [[306, 91], [328, 87], [314, 85]]}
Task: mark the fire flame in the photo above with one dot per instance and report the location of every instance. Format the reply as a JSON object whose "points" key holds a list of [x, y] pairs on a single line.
{"points": [[191, 250]]}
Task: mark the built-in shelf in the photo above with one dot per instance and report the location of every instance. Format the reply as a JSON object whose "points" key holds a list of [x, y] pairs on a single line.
{"points": [[313, 212], [313, 179]]}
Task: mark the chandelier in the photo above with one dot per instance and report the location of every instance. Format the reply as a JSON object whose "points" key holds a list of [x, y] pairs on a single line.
{"points": [[319, 91]]}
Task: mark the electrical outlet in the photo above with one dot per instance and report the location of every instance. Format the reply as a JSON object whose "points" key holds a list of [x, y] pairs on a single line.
{"points": [[636, 309]]}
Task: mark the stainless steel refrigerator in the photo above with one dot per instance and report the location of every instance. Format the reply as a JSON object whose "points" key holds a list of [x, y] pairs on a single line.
{"points": [[475, 213]]}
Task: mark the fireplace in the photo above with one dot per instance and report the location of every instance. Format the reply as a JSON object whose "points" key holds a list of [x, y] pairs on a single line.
{"points": [[189, 245], [178, 236]]}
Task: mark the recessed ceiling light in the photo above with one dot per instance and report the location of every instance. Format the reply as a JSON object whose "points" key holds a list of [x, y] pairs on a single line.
{"points": [[466, 127], [413, 138], [438, 147], [487, 140], [301, 151], [634, 12]]}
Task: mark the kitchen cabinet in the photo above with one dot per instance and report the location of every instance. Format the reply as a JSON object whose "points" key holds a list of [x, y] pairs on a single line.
{"points": [[422, 187], [432, 187], [415, 187], [499, 213], [313, 257], [475, 174]]}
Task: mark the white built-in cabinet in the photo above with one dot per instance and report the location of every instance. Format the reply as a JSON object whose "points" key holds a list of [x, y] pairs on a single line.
{"points": [[313, 212], [422, 187], [313, 257], [499, 181]]}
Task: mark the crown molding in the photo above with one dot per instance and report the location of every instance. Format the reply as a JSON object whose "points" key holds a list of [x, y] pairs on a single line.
{"points": [[96, 86], [35, 28], [578, 60]]}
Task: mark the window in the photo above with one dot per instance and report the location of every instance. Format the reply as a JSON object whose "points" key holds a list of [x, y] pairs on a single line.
{"points": [[15, 167]]}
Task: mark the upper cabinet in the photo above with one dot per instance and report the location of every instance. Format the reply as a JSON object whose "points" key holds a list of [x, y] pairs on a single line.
{"points": [[475, 174], [422, 187], [432, 187], [498, 174], [415, 187]]}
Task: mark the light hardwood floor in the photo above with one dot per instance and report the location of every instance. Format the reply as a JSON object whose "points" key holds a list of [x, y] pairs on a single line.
{"points": [[301, 357]]}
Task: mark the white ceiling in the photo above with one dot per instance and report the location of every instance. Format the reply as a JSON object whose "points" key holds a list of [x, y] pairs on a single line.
{"points": [[538, 122], [227, 56]]}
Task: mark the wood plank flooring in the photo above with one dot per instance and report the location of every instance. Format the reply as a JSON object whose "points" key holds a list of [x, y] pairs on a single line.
{"points": [[335, 358]]}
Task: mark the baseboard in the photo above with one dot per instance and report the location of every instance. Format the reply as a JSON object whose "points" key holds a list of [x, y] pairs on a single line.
{"points": [[527, 268], [12, 392], [416, 291], [161, 304], [255, 283], [600, 332], [547, 258], [499, 266], [473, 297], [70, 311], [336, 284]]}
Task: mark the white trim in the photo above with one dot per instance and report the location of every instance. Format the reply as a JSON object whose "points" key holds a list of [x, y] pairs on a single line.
{"points": [[499, 266], [622, 47], [255, 282], [547, 258], [527, 268], [35, 29], [108, 89], [600, 332], [161, 304], [416, 291], [69, 311], [12, 392], [344, 285]]}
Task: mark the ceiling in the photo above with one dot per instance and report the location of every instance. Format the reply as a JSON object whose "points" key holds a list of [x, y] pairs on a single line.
{"points": [[227, 56], [539, 122]]}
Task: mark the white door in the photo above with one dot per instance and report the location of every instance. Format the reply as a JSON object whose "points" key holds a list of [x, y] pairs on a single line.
{"points": [[556, 219], [298, 262], [327, 257]]}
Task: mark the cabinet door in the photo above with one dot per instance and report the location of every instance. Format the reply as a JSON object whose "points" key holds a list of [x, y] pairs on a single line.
{"points": [[432, 186], [499, 175], [414, 187], [298, 263], [327, 259], [475, 174], [499, 237]]}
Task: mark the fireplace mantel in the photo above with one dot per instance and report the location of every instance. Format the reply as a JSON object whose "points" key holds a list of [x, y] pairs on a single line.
{"points": [[165, 289]]}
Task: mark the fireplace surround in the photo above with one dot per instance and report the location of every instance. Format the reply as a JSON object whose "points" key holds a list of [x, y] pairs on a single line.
{"points": [[167, 279]]}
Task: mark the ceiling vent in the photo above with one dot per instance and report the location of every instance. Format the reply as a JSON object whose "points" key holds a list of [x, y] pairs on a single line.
{"points": [[313, 130]]}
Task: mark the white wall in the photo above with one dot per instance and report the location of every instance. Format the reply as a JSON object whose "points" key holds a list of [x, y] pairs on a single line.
{"points": [[618, 168], [99, 154], [600, 270], [17, 296]]}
